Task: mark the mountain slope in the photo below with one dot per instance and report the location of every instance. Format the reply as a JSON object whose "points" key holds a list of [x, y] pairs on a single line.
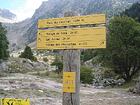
{"points": [[56, 8], [6, 16]]}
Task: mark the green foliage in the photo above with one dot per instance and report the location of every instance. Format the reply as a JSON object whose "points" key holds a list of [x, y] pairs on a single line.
{"points": [[59, 65], [34, 59], [45, 59], [133, 12], [108, 73], [123, 47], [28, 54], [87, 55], [86, 75], [4, 54]]}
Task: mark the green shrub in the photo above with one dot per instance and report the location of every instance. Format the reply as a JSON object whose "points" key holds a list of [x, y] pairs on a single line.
{"points": [[86, 75], [87, 55], [4, 53], [59, 64], [34, 59], [45, 59]]}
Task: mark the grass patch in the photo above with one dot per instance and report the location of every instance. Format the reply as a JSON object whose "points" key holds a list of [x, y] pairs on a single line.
{"points": [[3, 74]]}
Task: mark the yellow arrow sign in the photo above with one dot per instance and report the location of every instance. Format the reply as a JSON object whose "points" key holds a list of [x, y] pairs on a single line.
{"points": [[70, 21], [75, 38], [69, 82]]}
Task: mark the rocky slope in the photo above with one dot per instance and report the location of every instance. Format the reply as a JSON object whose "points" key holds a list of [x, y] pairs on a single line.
{"points": [[26, 30], [15, 33], [21, 65]]}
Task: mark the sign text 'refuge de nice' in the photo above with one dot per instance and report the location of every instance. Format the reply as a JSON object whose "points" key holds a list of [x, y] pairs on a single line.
{"points": [[72, 38]]}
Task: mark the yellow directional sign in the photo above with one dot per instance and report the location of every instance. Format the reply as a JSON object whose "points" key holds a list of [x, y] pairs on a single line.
{"points": [[69, 82], [69, 21], [75, 38], [10, 101]]}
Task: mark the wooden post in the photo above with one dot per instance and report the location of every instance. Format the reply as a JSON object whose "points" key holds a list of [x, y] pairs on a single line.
{"points": [[71, 63]]}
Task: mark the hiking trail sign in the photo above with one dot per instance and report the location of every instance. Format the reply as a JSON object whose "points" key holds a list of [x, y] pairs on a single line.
{"points": [[76, 38], [70, 34], [72, 38]]}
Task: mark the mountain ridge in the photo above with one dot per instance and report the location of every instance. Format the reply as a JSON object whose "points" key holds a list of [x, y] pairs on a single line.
{"points": [[7, 16]]}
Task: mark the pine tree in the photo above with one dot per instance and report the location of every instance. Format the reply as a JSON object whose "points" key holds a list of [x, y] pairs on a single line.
{"points": [[28, 54], [4, 53]]}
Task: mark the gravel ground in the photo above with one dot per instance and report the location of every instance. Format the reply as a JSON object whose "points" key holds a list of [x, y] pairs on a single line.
{"points": [[43, 91]]}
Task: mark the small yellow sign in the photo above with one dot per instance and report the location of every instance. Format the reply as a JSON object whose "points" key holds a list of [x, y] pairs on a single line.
{"points": [[10, 101], [69, 82], [75, 20], [75, 38]]}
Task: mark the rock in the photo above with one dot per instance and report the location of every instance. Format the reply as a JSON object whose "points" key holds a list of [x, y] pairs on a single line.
{"points": [[33, 86], [11, 82], [103, 78], [109, 82], [120, 82], [40, 65], [3, 66], [137, 88], [41, 91], [89, 63], [25, 65]]}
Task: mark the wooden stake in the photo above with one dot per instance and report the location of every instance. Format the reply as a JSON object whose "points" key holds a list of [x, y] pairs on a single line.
{"points": [[71, 63]]}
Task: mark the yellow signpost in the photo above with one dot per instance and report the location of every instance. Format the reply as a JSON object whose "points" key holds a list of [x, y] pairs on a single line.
{"points": [[11, 101], [75, 38], [69, 82], [53, 35], [70, 21]]}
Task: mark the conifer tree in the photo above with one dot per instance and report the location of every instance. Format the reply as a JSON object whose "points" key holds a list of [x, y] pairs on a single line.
{"points": [[28, 54], [4, 53]]}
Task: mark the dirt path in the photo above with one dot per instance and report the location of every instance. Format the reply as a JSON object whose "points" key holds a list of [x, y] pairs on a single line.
{"points": [[108, 97], [43, 91]]}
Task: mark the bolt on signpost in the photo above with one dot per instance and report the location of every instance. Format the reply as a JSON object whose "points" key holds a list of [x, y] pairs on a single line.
{"points": [[65, 34]]}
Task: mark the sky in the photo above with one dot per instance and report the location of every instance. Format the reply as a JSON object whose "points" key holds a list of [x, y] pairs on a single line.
{"points": [[22, 8]]}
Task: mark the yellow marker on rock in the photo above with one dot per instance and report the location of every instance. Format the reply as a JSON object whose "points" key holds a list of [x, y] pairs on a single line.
{"points": [[12, 101]]}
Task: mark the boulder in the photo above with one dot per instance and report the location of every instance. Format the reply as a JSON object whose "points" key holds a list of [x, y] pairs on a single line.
{"points": [[4, 66], [136, 89]]}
